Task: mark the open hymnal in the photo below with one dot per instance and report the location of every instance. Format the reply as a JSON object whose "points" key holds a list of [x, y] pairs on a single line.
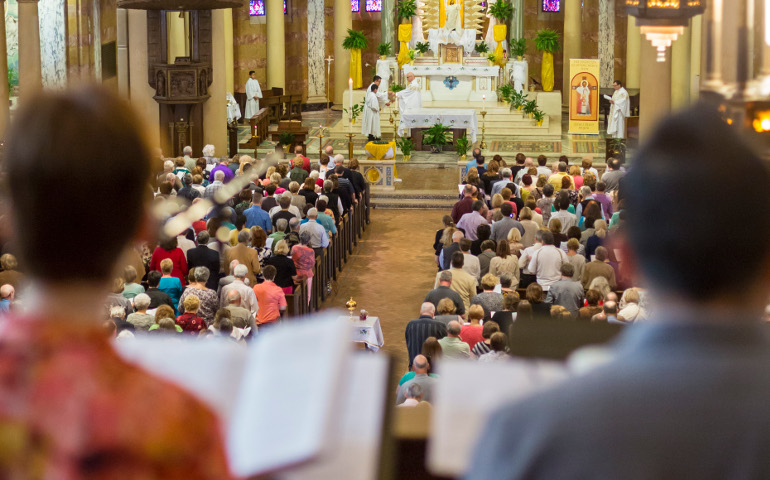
{"points": [[476, 390], [607, 97], [286, 401]]}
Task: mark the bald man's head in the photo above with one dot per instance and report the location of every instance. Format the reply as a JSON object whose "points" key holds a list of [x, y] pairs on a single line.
{"points": [[7, 292], [420, 364]]}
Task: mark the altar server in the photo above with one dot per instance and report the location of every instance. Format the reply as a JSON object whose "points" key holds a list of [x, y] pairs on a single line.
{"points": [[621, 109], [253, 94], [382, 94], [411, 96], [371, 123]]}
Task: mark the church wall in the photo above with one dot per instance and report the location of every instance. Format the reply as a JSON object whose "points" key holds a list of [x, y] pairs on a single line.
{"points": [[369, 23]]}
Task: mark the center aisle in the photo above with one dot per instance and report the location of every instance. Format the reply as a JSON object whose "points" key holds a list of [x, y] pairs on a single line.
{"points": [[390, 272]]}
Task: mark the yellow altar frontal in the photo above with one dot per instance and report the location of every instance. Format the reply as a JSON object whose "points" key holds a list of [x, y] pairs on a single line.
{"points": [[380, 151]]}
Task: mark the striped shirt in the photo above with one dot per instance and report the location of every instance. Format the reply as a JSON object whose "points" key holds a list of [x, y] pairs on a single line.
{"points": [[418, 330]]}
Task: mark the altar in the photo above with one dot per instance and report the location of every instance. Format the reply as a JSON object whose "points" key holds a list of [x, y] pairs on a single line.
{"points": [[454, 118], [456, 82]]}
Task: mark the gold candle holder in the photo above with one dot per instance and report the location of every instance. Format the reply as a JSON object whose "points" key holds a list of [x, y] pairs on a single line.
{"points": [[483, 144], [351, 305], [350, 145]]}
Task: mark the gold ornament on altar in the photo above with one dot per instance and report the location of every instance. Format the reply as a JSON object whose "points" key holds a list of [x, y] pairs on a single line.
{"points": [[351, 305]]}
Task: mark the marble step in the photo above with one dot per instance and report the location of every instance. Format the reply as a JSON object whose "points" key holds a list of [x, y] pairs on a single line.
{"points": [[411, 204]]}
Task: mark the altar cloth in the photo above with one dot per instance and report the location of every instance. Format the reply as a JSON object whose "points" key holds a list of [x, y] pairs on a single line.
{"points": [[449, 117]]}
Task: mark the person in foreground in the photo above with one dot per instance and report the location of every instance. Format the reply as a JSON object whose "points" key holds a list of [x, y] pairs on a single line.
{"points": [[686, 395], [69, 406]]}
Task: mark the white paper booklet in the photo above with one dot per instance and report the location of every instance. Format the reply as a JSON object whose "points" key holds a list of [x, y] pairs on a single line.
{"points": [[475, 390]]}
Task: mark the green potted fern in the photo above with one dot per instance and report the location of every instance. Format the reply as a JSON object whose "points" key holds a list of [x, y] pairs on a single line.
{"points": [[517, 100], [462, 146], [492, 59], [530, 107], [504, 93], [285, 140], [395, 88], [406, 146], [384, 49], [519, 48], [422, 48], [405, 10], [355, 42], [435, 136], [481, 48], [547, 41], [538, 115]]}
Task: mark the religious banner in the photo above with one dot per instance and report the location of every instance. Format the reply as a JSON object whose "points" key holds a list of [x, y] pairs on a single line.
{"points": [[584, 96]]}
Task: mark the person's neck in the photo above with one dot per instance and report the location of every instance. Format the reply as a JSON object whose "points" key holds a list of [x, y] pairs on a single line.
{"points": [[73, 301]]}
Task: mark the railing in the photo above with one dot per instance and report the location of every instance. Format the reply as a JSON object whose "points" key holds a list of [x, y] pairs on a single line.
{"points": [[331, 261]]}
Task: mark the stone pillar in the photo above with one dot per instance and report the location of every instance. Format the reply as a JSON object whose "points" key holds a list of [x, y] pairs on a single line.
{"points": [[711, 65], [573, 34], [696, 45], [634, 40], [517, 21], [316, 68], [30, 76], [122, 52], [343, 20], [680, 70], [606, 42], [276, 44], [140, 91], [655, 95], [5, 111], [387, 22], [215, 108], [229, 54]]}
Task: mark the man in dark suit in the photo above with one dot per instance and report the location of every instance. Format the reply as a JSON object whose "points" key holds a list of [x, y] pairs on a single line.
{"points": [[203, 256], [686, 395]]}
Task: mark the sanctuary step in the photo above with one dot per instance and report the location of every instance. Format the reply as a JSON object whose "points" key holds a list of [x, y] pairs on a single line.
{"points": [[415, 199]]}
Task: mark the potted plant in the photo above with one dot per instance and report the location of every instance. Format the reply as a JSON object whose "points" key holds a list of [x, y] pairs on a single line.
{"points": [[481, 48], [538, 115], [395, 88], [547, 41], [405, 10], [530, 107], [615, 148], [422, 48], [358, 109], [384, 50], [406, 146], [435, 136], [518, 48], [285, 140], [503, 12], [504, 93], [517, 100], [492, 59], [355, 42], [462, 146], [411, 57]]}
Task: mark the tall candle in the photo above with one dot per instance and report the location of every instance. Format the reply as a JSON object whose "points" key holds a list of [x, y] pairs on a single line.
{"points": [[483, 102], [350, 109]]}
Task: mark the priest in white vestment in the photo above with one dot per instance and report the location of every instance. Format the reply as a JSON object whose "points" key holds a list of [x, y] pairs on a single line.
{"points": [[253, 94], [382, 93], [370, 126], [411, 96], [233, 109], [620, 110]]}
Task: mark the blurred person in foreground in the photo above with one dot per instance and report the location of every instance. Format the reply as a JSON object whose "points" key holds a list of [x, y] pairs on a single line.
{"points": [[70, 407], [686, 394]]}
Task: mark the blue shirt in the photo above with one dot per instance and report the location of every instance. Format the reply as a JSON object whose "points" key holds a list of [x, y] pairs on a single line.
{"points": [[173, 287], [256, 217], [5, 305]]}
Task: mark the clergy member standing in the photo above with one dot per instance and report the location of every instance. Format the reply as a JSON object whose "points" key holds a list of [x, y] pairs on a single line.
{"points": [[382, 96], [253, 94], [411, 96], [371, 123], [621, 108]]}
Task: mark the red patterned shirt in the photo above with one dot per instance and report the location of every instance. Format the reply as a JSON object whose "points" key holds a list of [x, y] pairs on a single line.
{"points": [[190, 323]]}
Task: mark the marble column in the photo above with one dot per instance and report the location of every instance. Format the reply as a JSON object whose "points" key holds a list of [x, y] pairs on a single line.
{"points": [[633, 44], [30, 77], [711, 64], [229, 52], [53, 43], [696, 45], [387, 21], [573, 36], [122, 52], [517, 21], [655, 94], [276, 44], [343, 20], [680, 69], [606, 42], [215, 108], [140, 91], [316, 72], [5, 111]]}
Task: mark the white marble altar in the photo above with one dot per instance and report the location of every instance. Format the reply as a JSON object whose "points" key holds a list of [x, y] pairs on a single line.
{"points": [[442, 36], [449, 117], [53, 45], [456, 82], [316, 75]]}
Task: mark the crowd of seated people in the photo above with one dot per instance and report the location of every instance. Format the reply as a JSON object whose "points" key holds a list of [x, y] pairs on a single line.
{"points": [[525, 241]]}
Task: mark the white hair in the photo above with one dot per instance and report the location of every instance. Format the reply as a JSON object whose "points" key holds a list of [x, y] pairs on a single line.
{"points": [[240, 271], [125, 334], [339, 159], [312, 213], [168, 165], [141, 301], [117, 311], [219, 175], [187, 150], [314, 174], [208, 151]]}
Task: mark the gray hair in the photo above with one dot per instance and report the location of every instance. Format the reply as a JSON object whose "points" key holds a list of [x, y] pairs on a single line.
{"points": [[453, 328], [208, 151], [281, 224], [445, 276], [339, 159], [201, 274], [304, 238], [427, 308], [141, 301], [328, 184], [187, 179], [314, 174], [117, 311], [413, 391], [168, 165], [506, 280], [313, 212], [585, 191], [187, 150], [219, 175], [507, 173], [324, 198], [294, 223], [244, 236], [233, 297], [240, 271]]}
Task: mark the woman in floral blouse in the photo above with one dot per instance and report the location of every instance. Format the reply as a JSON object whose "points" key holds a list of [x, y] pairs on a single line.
{"points": [[190, 321], [209, 303]]}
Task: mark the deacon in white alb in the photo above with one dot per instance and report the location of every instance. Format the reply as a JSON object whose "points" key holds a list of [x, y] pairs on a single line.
{"points": [[411, 96], [621, 108], [382, 94], [371, 123], [253, 94]]}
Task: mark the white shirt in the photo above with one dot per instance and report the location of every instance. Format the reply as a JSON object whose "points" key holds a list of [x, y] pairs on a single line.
{"points": [[567, 219], [472, 266], [546, 265], [526, 256]]}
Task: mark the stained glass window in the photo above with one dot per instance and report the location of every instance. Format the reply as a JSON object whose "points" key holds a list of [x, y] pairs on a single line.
{"points": [[551, 5], [373, 5], [355, 6], [256, 7], [284, 7]]}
